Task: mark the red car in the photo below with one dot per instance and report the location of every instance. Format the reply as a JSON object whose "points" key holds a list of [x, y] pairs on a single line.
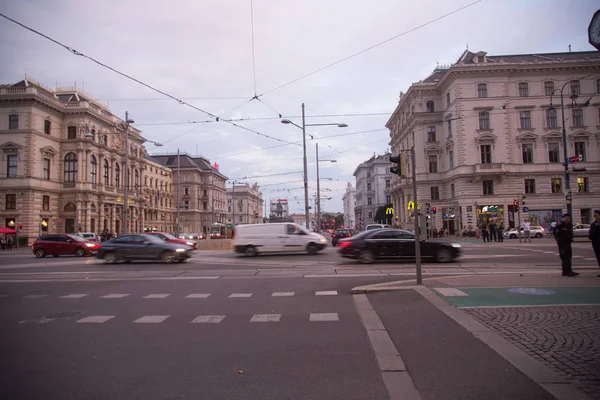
{"points": [[167, 237], [62, 244]]}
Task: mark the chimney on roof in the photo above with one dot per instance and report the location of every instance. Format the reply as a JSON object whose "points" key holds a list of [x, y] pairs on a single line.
{"points": [[569, 48]]}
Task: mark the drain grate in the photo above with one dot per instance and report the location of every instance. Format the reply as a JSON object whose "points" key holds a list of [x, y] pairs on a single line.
{"points": [[52, 317]]}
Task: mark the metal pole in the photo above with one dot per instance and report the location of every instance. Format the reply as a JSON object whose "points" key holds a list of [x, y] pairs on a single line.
{"points": [[125, 216], [318, 194], [416, 213], [177, 194], [233, 203], [519, 222], [306, 208], [566, 158]]}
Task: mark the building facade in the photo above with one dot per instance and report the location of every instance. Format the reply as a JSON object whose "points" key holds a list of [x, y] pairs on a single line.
{"points": [[487, 131], [300, 219], [245, 204], [159, 211], [63, 165], [373, 181], [200, 188], [349, 200]]}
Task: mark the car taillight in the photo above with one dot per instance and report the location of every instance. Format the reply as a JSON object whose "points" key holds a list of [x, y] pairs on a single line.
{"points": [[333, 235], [344, 244]]}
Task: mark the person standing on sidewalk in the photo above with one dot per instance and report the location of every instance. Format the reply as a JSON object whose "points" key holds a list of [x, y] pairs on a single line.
{"points": [[563, 233], [501, 232], [527, 230], [492, 227], [595, 235]]}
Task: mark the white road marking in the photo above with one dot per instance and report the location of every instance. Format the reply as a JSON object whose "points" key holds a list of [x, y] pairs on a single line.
{"points": [[265, 318], [198, 296], [35, 296], [314, 317], [151, 319], [95, 319], [74, 296], [240, 295], [156, 296], [587, 259], [208, 319], [450, 291], [327, 293], [549, 252], [282, 294], [114, 296]]}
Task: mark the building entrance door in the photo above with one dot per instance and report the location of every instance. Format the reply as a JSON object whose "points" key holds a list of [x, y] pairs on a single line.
{"points": [[69, 225]]}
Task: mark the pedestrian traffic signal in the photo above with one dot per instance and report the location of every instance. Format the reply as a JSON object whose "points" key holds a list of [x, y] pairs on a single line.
{"points": [[400, 161], [434, 209]]}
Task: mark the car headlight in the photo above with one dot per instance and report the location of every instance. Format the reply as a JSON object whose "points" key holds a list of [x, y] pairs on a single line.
{"points": [[323, 240], [190, 243], [456, 245], [89, 245], [179, 250]]}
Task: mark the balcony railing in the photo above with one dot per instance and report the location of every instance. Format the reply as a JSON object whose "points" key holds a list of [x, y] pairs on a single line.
{"points": [[489, 168]]}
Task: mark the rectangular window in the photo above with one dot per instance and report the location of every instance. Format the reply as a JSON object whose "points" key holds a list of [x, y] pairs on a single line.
{"points": [[575, 87], [46, 171], [387, 183], [368, 174], [369, 201], [553, 152], [13, 121], [448, 99], [482, 90], [435, 193], [431, 137], [11, 166], [523, 89], [556, 185], [368, 186], [451, 159], [597, 85], [484, 120], [388, 199], [186, 204], [449, 128], [580, 150], [205, 205], [186, 191], [525, 118], [551, 120], [527, 151], [452, 192], [205, 193], [433, 164], [47, 126], [583, 185], [11, 201], [45, 203], [430, 106], [488, 187], [72, 132], [577, 117], [548, 88], [486, 153], [529, 186], [370, 214]]}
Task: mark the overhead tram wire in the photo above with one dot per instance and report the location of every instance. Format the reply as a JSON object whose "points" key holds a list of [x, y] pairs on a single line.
{"points": [[180, 101], [371, 47]]}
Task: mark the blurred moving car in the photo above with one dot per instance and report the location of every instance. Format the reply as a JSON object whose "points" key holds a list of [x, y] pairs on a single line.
{"points": [[376, 226], [91, 236], [370, 246], [340, 234], [581, 230], [61, 245], [535, 232], [167, 237], [142, 247], [252, 239]]}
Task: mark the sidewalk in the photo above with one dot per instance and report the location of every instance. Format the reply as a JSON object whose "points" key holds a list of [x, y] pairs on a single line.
{"points": [[510, 336]]}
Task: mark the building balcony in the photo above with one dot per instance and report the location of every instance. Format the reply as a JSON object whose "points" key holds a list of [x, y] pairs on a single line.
{"points": [[489, 169]]}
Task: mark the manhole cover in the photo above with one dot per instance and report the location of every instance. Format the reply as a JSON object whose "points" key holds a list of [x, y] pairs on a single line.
{"points": [[52, 317], [533, 291]]}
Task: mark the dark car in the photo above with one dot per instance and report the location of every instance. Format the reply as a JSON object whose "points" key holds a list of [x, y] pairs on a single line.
{"points": [[369, 246], [61, 245], [340, 234], [167, 237], [142, 247]]}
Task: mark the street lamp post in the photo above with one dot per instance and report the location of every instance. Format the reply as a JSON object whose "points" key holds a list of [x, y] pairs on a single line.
{"points": [[303, 127], [125, 211], [319, 190], [568, 198]]}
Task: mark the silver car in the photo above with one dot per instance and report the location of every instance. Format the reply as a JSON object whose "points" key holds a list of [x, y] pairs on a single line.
{"points": [[581, 230], [535, 232]]}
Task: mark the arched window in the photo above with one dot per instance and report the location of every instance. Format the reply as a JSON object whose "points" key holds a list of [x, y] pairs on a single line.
{"points": [[117, 175], [70, 207], [93, 169], [106, 169], [137, 179], [71, 167]]}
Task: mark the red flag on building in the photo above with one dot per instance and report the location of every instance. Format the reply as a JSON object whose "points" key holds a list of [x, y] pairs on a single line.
{"points": [[216, 165]]}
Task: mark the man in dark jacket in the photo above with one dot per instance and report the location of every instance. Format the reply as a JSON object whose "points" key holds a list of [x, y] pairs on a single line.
{"points": [[563, 233], [595, 235]]}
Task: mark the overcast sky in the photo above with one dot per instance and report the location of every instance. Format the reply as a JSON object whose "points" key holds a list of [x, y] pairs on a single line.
{"points": [[201, 51]]}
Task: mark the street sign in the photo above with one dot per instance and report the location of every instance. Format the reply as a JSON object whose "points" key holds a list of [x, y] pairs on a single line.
{"points": [[525, 209], [577, 158]]}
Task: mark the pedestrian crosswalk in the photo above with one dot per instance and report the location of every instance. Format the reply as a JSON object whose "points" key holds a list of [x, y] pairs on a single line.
{"points": [[76, 296]]}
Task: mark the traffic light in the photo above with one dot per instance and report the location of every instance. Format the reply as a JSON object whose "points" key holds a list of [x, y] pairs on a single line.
{"points": [[434, 209], [523, 200], [400, 161], [516, 205]]}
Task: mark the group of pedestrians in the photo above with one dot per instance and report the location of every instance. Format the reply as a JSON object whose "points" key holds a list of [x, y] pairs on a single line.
{"points": [[6, 242], [492, 230], [563, 233]]}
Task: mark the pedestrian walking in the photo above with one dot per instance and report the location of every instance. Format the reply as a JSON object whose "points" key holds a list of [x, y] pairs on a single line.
{"points": [[484, 232], [595, 235], [527, 230], [492, 228], [2, 242], [563, 233], [501, 232], [9, 242]]}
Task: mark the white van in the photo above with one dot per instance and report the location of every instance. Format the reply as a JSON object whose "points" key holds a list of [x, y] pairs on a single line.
{"points": [[280, 237], [376, 226]]}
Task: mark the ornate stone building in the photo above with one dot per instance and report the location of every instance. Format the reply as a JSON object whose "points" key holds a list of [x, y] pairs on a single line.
{"points": [[62, 163], [488, 130], [159, 209], [349, 200], [373, 180], [245, 204]]}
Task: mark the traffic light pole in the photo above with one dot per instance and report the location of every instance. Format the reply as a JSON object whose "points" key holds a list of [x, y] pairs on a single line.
{"points": [[416, 214]]}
